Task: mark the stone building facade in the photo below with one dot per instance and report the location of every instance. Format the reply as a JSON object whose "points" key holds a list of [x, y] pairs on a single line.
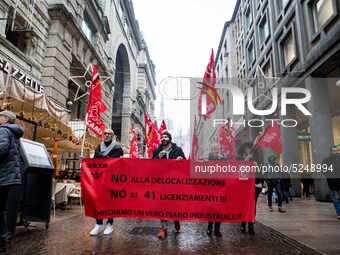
{"points": [[299, 43], [52, 42]]}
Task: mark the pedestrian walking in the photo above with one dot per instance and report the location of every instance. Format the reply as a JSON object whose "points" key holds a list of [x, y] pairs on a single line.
{"points": [[10, 133], [306, 180], [245, 153], [285, 187], [109, 148], [273, 178], [333, 174], [215, 155], [168, 150]]}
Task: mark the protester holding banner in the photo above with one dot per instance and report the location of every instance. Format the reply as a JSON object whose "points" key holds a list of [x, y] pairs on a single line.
{"points": [[10, 134], [168, 150], [215, 155], [246, 152], [109, 148]]}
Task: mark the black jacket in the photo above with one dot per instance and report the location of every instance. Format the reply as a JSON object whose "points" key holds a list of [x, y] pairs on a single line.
{"points": [[9, 154], [259, 178], [175, 152], [333, 176]]}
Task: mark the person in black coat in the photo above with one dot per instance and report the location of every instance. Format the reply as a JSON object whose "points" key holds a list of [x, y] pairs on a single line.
{"points": [[10, 133], [167, 150], [109, 148], [333, 177], [245, 153]]}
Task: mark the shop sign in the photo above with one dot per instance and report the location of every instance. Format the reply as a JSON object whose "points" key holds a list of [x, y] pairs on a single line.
{"points": [[19, 75], [303, 137]]}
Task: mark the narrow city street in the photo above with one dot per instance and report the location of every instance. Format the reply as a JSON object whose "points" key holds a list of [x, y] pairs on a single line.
{"points": [[292, 232]]}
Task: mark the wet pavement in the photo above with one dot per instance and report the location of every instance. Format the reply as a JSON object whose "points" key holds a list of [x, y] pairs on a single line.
{"points": [[307, 227], [132, 236]]}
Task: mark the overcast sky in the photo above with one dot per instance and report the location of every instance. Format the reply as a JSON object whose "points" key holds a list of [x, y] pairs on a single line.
{"points": [[180, 35]]}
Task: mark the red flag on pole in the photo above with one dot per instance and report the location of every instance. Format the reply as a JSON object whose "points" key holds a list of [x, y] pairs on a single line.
{"points": [[226, 141], [270, 138], [153, 138], [208, 97], [134, 152], [194, 146], [162, 128], [95, 106]]}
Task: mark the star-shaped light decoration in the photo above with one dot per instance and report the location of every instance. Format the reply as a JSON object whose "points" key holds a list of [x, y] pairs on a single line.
{"points": [[262, 83], [82, 81]]}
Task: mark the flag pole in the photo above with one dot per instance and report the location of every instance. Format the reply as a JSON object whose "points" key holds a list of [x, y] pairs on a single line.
{"points": [[84, 135]]}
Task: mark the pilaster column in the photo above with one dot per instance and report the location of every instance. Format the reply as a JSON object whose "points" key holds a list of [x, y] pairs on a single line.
{"points": [[320, 124], [290, 150]]}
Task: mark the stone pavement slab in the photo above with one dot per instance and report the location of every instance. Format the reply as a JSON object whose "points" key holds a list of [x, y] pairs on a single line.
{"points": [[132, 236], [306, 220]]}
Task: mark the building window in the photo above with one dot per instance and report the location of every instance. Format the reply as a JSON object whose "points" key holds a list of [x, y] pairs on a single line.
{"points": [[88, 29], [248, 18], [322, 11], [17, 37], [263, 30], [282, 4], [250, 54], [289, 50]]}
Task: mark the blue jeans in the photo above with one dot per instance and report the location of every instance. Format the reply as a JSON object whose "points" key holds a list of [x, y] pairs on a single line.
{"points": [[335, 197], [277, 186]]}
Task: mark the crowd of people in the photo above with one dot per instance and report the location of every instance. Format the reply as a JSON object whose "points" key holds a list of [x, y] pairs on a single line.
{"points": [[277, 183]]}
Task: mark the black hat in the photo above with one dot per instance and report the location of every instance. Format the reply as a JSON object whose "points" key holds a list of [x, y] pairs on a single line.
{"points": [[243, 147], [167, 134]]}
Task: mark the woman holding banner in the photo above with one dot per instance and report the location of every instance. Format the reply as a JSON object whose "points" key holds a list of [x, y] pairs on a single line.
{"points": [[215, 155], [246, 152]]}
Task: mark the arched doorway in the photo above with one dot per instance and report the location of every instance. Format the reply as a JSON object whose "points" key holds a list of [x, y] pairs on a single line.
{"points": [[122, 90]]}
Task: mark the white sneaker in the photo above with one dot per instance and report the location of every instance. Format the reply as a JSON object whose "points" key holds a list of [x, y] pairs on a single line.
{"points": [[97, 228], [108, 230]]}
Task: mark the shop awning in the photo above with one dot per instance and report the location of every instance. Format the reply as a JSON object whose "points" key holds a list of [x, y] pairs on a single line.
{"points": [[51, 119]]}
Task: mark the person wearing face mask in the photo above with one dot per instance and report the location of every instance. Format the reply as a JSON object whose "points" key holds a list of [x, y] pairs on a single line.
{"points": [[168, 150], [10, 133], [109, 148]]}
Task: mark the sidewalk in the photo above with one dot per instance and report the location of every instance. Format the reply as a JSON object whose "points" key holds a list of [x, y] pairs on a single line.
{"points": [[307, 227], [307, 221]]}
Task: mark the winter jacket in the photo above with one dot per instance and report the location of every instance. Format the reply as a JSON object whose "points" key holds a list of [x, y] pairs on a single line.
{"points": [[116, 152], [175, 152], [9, 154], [258, 174], [333, 175]]}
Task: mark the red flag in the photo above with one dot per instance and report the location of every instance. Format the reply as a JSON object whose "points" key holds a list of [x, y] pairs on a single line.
{"points": [[194, 146], [226, 141], [162, 128], [95, 106], [134, 152], [208, 92], [270, 138], [153, 138]]}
